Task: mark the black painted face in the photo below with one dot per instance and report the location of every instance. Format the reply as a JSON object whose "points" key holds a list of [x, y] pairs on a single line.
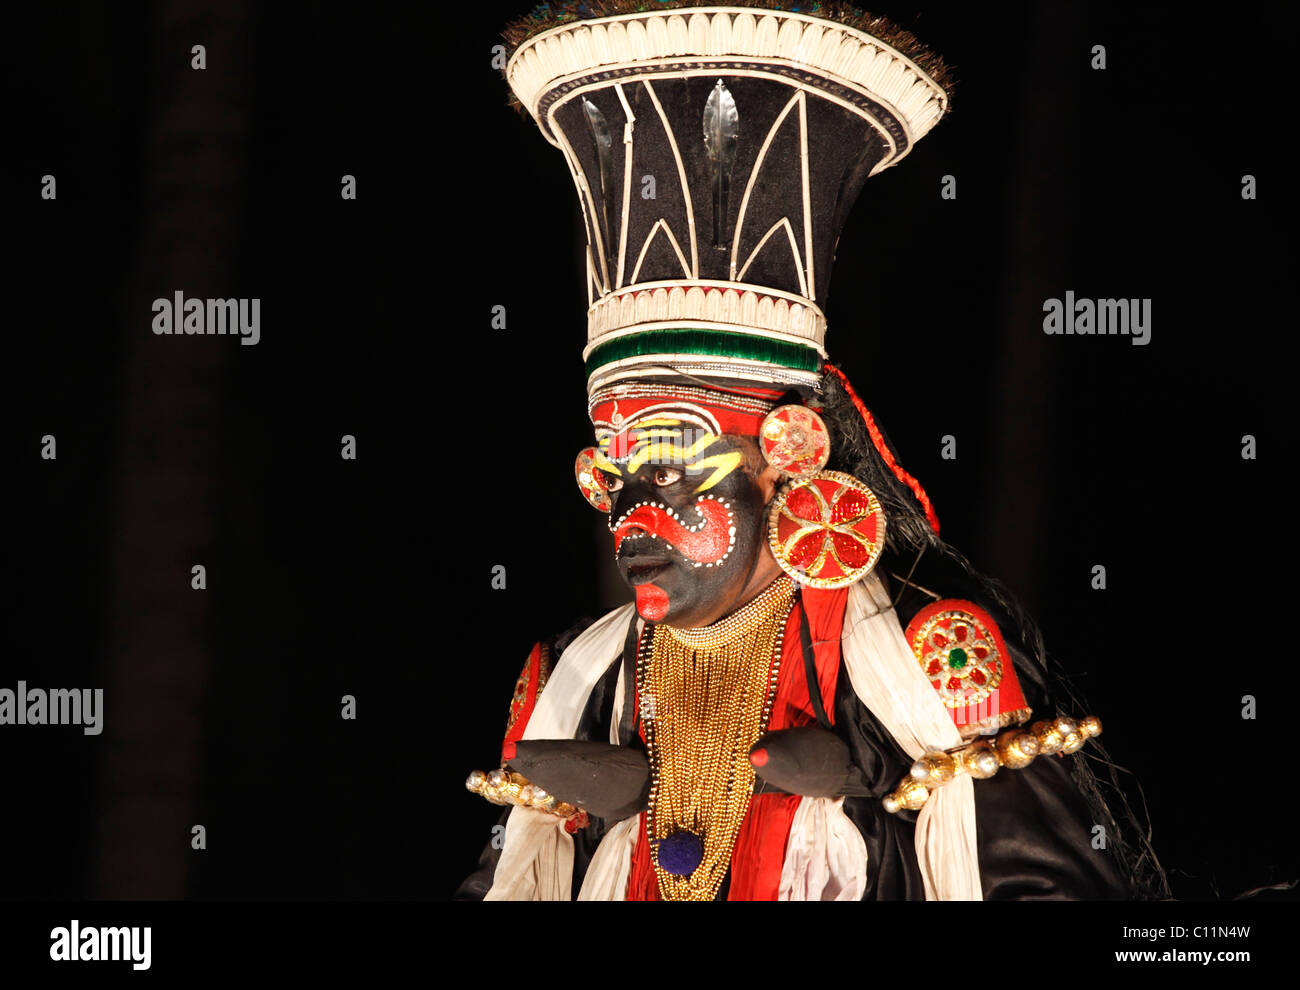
{"points": [[687, 531]]}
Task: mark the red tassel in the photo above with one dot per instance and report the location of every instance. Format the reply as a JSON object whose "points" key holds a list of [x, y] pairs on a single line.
{"points": [[881, 448]]}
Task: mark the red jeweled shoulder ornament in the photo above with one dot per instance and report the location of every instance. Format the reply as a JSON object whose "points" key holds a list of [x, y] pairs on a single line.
{"points": [[826, 531], [794, 440], [961, 650], [593, 489]]}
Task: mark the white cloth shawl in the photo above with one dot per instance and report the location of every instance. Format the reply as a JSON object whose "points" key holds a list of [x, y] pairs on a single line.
{"points": [[826, 857], [894, 688], [536, 861]]}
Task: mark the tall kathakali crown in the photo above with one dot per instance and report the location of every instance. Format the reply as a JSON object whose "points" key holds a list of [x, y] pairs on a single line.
{"points": [[717, 151]]}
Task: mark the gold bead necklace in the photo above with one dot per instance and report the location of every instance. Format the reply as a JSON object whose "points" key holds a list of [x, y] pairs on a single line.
{"points": [[706, 698]]}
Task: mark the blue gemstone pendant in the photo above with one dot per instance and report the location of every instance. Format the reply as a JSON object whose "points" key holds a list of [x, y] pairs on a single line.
{"points": [[680, 853]]}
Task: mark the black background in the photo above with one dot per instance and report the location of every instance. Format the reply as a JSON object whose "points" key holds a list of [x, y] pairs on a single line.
{"points": [[372, 577]]}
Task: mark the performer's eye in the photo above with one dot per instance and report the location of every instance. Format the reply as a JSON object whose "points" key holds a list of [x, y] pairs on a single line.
{"points": [[666, 476], [612, 482]]}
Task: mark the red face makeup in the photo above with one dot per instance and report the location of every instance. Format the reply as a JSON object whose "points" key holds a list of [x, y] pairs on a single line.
{"points": [[705, 541]]}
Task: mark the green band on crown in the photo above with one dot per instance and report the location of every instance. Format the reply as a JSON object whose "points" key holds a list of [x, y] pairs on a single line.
{"points": [[706, 343]]}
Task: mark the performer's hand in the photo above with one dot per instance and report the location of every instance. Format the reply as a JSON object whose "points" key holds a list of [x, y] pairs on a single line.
{"points": [[610, 782], [807, 760]]}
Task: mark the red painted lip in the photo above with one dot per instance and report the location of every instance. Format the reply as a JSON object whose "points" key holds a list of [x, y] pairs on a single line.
{"points": [[651, 602]]}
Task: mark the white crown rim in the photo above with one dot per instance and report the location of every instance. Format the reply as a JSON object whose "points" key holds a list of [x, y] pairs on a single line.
{"points": [[555, 62]]}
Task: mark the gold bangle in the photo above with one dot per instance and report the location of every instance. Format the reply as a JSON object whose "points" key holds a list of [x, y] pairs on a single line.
{"points": [[507, 787], [1015, 748]]}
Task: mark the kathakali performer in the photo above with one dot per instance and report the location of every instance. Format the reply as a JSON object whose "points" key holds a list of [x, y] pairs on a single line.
{"points": [[813, 696]]}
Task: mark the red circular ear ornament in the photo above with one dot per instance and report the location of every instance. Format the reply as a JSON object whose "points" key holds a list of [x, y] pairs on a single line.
{"points": [[589, 480], [794, 440], [826, 531], [961, 650]]}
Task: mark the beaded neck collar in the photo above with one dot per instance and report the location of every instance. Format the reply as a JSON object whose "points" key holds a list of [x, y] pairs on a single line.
{"points": [[739, 623]]}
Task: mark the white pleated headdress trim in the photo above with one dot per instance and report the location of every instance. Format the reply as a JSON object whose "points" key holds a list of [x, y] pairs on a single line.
{"points": [[757, 37]]}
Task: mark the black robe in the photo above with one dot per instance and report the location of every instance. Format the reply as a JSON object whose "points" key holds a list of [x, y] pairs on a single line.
{"points": [[1034, 830]]}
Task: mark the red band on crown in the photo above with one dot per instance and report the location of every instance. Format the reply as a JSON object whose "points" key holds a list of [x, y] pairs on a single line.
{"points": [[739, 411]]}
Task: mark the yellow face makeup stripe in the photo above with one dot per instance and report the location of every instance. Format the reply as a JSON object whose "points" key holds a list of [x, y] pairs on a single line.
{"points": [[651, 445], [602, 460], [722, 464], [604, 463], [658, 421], [669, 453]]}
